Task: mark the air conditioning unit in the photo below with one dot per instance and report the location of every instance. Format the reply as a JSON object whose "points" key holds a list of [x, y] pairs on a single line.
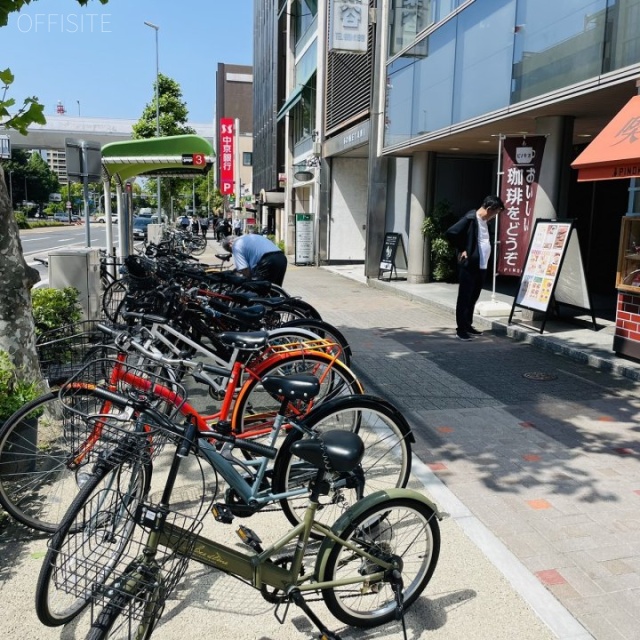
{"points": [[80, 268]]}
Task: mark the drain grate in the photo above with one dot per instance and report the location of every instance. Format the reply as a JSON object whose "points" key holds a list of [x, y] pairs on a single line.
{"points": [[539, 375]]}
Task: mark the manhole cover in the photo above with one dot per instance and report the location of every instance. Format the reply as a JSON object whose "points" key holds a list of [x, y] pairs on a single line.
{"points": [[539, 375]]}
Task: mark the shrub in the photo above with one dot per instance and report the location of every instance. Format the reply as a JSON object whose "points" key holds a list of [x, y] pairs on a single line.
{"points": [[21, 220], [54, 308], [14, 391]]}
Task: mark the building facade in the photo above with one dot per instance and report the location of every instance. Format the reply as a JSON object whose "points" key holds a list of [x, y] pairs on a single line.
{"points": [[234, 99], [374, 141]]}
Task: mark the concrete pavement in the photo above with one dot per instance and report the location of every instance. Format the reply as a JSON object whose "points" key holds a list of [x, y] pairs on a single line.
{"points": [[535, 456]]}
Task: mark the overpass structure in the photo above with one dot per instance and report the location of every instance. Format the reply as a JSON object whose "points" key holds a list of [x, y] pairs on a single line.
{"points": [[52, 135]]}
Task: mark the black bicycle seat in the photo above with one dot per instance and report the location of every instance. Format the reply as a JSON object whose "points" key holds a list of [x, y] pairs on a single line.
{"points": [[298, 387], [335, 450]]}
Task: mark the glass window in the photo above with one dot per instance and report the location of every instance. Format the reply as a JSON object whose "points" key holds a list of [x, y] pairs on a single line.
{"points": [[409, 17], [303, 13], [484, 56], [420, 87], [303, 114], [247, 158], [557, 44], [624, 18]]}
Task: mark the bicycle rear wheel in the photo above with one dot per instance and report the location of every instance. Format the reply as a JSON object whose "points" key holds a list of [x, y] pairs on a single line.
{"points": [[401, 530], [386, 463], [90, 541], [113, 298], [255, 409], [38, 474]]}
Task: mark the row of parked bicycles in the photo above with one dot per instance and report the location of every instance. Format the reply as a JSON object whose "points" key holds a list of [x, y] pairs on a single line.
{"points": [[202, 398]]}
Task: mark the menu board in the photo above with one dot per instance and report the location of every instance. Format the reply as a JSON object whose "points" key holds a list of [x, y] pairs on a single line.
{"points": [[542, 266]]}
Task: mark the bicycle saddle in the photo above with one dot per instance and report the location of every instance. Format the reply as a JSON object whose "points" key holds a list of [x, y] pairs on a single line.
{"points": [[335, 450], [299, 387], [242, 340]]}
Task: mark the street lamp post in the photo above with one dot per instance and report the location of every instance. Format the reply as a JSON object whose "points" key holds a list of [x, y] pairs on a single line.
{"points": [[156, 28]]}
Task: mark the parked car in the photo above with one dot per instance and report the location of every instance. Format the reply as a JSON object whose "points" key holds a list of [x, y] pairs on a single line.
{"points": [[140, 224], [61, 216]]}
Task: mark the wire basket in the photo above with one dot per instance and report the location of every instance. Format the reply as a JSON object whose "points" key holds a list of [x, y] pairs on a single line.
{"points": [[105, 561], [64, 351], [136, 421]]}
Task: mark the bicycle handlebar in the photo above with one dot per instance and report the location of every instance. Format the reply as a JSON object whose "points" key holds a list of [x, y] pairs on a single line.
{"points": [[124, 341]]}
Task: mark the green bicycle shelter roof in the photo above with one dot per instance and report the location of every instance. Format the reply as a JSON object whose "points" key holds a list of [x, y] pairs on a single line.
{"points": [[179, 156]]}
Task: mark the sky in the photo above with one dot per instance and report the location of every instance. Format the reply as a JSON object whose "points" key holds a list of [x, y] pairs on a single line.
{"points": [[100, 60]]}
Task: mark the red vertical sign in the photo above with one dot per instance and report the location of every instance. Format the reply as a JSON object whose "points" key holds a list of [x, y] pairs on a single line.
{"points": [[521, 162], [226, 155]]}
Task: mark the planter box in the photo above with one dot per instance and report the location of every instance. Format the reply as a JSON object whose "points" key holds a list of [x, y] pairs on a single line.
{"points": [[19, 453]]}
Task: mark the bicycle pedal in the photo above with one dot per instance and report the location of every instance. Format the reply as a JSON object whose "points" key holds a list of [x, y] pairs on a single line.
{"points": [[222, 513], [250, 538]]}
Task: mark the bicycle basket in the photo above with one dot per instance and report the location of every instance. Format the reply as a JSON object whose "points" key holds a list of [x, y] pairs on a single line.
{"points": [[64, 351], [155, 582], [95, 424]]}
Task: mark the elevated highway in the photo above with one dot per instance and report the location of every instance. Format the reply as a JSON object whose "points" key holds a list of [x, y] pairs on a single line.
{"points": [[103, 130]]}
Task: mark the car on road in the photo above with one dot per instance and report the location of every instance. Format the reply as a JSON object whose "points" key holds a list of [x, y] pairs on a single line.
{"points": [[61, 217], [103, 218], [140, 224]]}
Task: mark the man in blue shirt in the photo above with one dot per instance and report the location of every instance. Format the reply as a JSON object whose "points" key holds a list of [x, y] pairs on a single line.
{"points": [[255, 256]]}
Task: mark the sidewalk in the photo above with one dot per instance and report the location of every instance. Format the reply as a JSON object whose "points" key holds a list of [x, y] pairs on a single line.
{"points": [[535, 456], [539, 475]]}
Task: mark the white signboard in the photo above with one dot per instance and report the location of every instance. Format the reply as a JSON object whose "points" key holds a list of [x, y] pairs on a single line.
{"points": [[304, 238], [349, 27], [5, 148]]}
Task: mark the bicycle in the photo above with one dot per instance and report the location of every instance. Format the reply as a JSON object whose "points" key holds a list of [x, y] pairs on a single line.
{"points": [[369, 545], [43, 447]]}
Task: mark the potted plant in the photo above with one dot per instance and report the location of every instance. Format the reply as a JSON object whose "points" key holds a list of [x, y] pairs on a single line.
{"points": [[443, 256], [15, 392]]}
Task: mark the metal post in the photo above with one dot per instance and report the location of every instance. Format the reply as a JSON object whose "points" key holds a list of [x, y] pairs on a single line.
{"points": [[156, 28], [238, 187], [11, 188]]}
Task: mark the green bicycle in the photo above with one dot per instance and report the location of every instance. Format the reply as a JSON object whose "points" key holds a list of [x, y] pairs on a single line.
{"points": [[370, 566]]}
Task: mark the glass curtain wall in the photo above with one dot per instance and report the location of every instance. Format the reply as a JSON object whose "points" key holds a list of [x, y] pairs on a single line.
{"points": [[495, 53]]}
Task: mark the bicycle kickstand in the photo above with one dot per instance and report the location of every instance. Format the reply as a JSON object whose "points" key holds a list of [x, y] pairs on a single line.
{"points": [[397, 585], [299, 601]]}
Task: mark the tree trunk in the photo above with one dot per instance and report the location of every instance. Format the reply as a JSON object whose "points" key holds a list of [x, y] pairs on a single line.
{"points": [[17, 333]]}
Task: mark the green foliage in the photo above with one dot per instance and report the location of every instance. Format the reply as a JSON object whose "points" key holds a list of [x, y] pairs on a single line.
{"points": [[54, 308], [443, 255], [15, 391], [21, 220], [173, 112]]}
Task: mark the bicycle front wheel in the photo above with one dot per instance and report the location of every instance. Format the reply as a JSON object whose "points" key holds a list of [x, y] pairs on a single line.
{"points": [[129, 615], [37, 470], [92, 537], [386, 463], [404, 531]]}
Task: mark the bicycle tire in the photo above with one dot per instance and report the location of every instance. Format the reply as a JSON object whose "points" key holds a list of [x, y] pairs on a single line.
{"points": [[196, 246], [255, 409], [37, 483], [291, 309], [118, 620], [386, 463], [405, 527], [90, 541], [113, 298]]}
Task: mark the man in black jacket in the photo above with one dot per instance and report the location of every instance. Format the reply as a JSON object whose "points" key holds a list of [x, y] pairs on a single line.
{"points": [[470, 237]]}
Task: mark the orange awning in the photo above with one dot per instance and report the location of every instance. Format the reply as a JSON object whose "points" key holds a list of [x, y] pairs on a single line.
{"points": [[615, 152]]}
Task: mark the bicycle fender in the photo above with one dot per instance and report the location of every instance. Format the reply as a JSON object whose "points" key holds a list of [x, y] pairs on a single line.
{"points": [[359, 507]]}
